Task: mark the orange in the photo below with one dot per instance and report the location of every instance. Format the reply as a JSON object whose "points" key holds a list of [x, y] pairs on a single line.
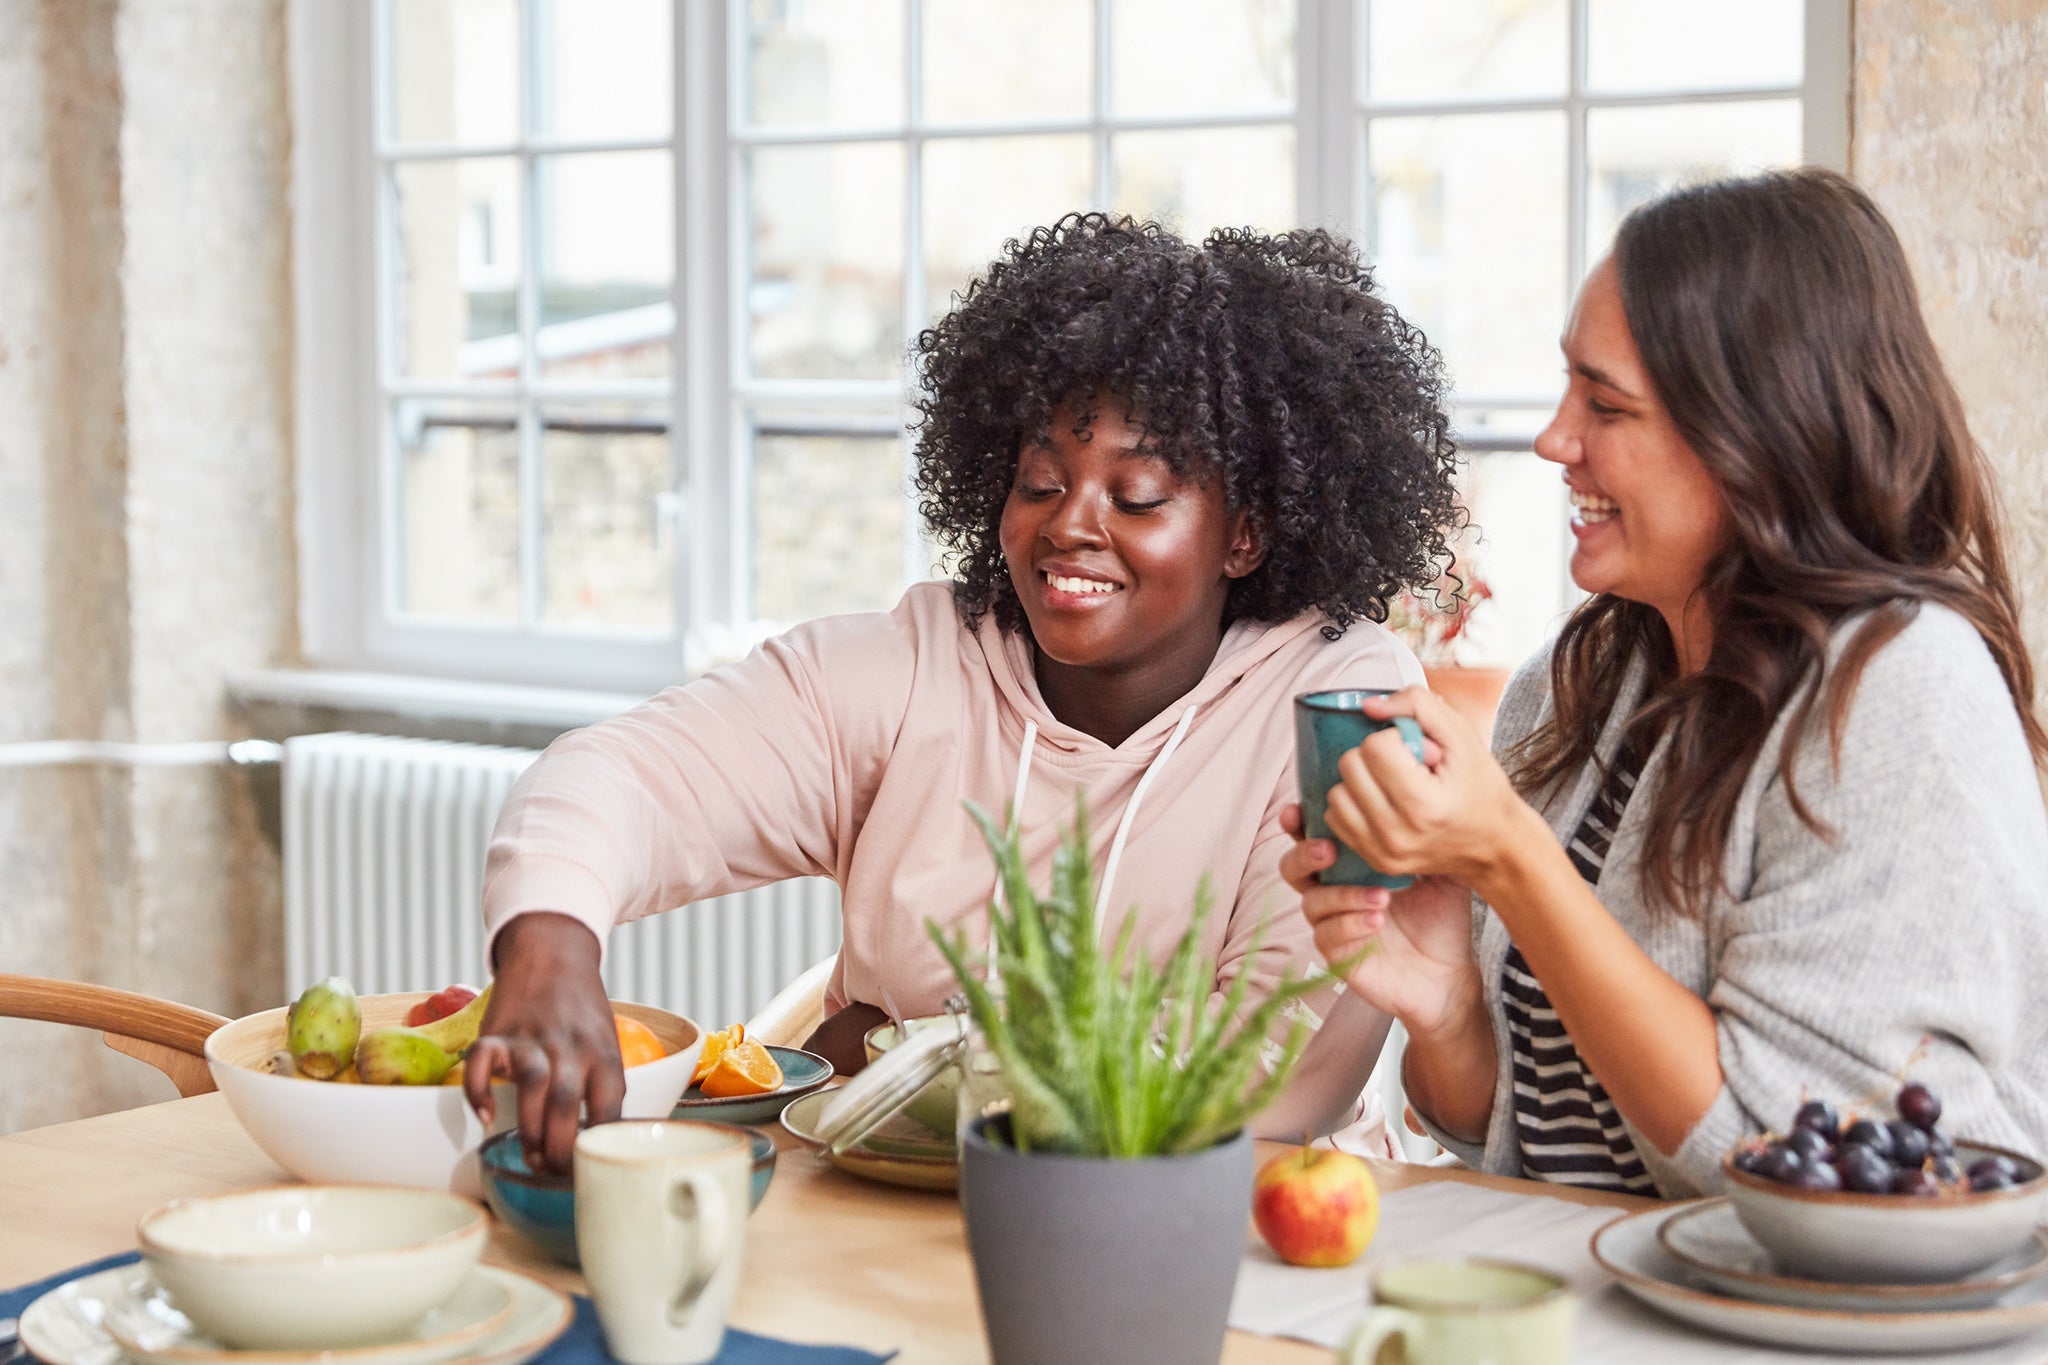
{"points": [[745, 1068], [637, 1042], [714, 1045]]}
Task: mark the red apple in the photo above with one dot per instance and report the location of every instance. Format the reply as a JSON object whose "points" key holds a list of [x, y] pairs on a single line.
{"points": [[439, 1005], [1316, 1206]]}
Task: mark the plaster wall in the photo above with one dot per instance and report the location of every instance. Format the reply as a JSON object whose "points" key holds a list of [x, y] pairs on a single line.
{"points": [[1951, 138]]}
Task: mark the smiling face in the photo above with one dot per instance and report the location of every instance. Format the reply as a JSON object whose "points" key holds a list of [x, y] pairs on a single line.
{"points": [[1122, 566], [1647, 517]]}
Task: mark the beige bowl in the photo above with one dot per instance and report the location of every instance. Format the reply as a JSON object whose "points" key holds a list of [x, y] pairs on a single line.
{"points": [[312, 1267], [1851, 1238], [424, 1136]]}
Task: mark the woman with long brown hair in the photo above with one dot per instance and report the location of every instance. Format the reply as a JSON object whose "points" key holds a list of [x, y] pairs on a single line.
{"points": [[1764, 823]]}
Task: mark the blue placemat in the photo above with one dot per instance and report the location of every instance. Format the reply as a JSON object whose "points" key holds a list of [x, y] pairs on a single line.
{"points": [[581, 1344]]}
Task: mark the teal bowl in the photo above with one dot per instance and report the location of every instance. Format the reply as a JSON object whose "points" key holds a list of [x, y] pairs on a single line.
{"points": [[541, 1206]]}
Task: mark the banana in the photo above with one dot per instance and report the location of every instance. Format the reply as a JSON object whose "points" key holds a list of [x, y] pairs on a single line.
{"points": [[401, 1056], [322, 1028], [454, 1034]]}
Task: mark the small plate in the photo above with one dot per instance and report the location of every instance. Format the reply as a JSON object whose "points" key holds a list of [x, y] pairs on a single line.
{"points": [[67, 1326], [1627, 1249], [802, 1073], [1711, 1240], [149, 1327], [900, 1152]]}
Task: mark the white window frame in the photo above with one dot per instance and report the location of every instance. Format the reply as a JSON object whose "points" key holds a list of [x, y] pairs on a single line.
{"points": [[344, 554]]}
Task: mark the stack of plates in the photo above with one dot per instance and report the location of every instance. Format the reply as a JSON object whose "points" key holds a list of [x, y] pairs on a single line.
{"points": [[1696, 1262], [499, 1317]]}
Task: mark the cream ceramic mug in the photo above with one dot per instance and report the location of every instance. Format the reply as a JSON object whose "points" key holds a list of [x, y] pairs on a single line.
{"points": [[1458, 1311], [661, 1220]]}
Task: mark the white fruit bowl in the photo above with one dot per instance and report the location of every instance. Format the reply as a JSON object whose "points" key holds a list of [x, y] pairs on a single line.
{"points": [[424, 1136]]}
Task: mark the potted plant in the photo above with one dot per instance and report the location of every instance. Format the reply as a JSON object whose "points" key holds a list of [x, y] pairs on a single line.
{"points": [[1432, 621], [1106, 1210]]}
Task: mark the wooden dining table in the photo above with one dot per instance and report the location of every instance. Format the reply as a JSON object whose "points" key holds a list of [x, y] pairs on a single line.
{"points": [[830, 1258]]}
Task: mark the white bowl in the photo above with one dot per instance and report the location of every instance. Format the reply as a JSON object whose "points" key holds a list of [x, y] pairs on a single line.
{"points": [[312, 1267], [420, 1135], [1851, 1238]]}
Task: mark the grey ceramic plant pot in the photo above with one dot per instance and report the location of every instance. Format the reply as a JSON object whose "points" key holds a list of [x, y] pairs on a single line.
{"points": [[1079, 1259]]}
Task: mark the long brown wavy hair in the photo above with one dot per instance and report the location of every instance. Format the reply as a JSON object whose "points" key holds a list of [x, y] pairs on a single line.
{"points": [[1778, 322]]}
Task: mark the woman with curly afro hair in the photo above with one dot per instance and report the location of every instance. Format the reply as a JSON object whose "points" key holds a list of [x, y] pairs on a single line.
{"points": [[1177, 485]]}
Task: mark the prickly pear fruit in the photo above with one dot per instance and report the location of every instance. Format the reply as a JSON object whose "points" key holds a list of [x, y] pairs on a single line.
{"points": [[401, 1056], [322, 1028], [454, 1034]]}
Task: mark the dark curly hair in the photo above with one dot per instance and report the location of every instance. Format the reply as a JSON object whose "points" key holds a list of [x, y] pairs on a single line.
{"points": [[1269, 361]]}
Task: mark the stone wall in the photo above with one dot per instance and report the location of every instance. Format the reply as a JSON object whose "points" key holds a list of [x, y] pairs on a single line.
{"points": [[145, 367], [1951, 138]]}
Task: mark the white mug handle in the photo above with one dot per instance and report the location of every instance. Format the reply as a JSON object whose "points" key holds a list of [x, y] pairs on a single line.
{"points": [[1373, 1330], [696, 1201]]}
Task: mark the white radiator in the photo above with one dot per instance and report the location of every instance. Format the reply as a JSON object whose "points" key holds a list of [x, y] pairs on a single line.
{"points": [[384, 843]]}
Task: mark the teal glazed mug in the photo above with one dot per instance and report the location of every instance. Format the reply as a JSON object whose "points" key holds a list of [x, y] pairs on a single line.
{"points": [[1328, 725]]}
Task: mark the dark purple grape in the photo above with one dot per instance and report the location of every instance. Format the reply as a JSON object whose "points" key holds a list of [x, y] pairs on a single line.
{"points": [[1864, 1171], [1750, 1159], [1820, 1117], [1944, 1167], [1940, 1143], [1781, 1163], [1909, 1144], [1919, 1106], [1818, 1175], [1872, 1134], [1993, 1173], [1920, 1184], [1991, 1180], [1811, 1145]]}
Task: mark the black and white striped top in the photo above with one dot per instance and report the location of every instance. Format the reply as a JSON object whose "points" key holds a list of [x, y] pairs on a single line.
{"points": [[1568, 1128]]}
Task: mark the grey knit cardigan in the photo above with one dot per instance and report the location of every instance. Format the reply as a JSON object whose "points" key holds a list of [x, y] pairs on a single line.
{"points": [[1827, 962]]}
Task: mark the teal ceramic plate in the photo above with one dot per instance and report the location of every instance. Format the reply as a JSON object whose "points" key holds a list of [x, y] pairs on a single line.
{"points": [[900, 1152], [802, 1073]]}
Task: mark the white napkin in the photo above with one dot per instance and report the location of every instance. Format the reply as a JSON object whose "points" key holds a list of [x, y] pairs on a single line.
{"points": [[1452, 1218]]}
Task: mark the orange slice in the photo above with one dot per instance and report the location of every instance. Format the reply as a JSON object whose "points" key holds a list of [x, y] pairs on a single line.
{"points": [[637, 1042], [715, 1045], [745, 1068]]}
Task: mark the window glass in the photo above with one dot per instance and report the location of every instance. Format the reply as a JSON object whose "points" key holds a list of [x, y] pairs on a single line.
{"points": [[607, 247], [989, 60], [824, 63], [457, 258], [454, 71], [981, 191], [1207, 178], [1202, 57], [828, 524], [1431, 50], [1636, 154], [825, 293], [1635, 45], [458, 485], [1519, 550], [603, 69], [605, 558]]}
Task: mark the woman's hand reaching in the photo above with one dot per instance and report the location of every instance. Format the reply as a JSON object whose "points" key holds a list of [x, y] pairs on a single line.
{"points": [[549, 1031]]}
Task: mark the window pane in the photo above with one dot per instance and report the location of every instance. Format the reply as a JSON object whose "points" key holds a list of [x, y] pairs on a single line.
{"points": [[1465, 49], [1520, 553], [828, 525], [459, 507], [826, 293], [1636, 154], [1207, 178], [604, 69], [607, 253], [454, 71], [1654, 44], [1466, 228], [987, 60], [455, 282], [1201, 56], [604, 559], [824, 63], [980, 191]]}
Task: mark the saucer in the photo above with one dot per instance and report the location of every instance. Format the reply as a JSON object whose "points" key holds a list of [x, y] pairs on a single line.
{"points": [[149, 1327], [68, 1326], [1627, 1249], [802, 1074], [1710, 1240], [901, 1151]]}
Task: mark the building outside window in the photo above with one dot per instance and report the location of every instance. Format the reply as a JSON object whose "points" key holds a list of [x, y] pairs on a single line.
{"points": [[605, 307]]}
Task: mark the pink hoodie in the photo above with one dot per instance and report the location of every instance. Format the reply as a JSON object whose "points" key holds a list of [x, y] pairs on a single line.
{"points": [[845, 749]]}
